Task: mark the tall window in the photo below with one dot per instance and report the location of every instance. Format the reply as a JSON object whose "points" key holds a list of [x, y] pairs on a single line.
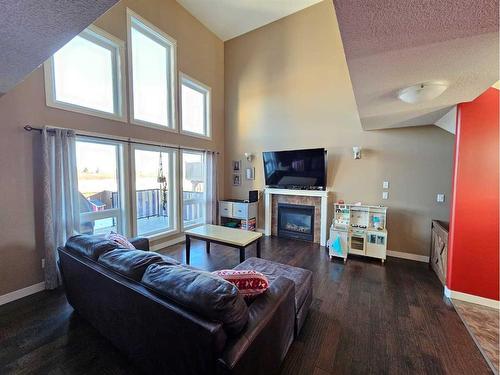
{"points": [[193, 188], [85, 75], [100, 186], [152, 60], [195, 107], [155, 186]]}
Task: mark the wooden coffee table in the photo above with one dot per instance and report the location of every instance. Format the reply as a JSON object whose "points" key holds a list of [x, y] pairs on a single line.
{"points": [[237, 238]]}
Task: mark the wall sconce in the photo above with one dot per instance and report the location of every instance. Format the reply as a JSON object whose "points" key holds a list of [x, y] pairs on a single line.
{"points": [[356, 152], [249, 156]]}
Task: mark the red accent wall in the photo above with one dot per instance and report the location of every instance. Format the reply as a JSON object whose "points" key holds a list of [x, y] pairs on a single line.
{"points": [[474, 219]]}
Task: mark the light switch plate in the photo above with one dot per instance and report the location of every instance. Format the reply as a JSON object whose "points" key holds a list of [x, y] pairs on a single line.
{"points": [[385, 184], [440, 198], [385, 195]]}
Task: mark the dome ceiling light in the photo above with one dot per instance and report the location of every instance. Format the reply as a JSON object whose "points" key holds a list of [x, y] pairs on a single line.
{"points": [[422, 92]]}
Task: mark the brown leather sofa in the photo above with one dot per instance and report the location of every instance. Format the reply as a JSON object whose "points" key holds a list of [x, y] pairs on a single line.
{"points": [[171, 319]]}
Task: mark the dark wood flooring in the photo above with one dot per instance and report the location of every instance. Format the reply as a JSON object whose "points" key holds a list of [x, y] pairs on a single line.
{"points": [[365, 319]]}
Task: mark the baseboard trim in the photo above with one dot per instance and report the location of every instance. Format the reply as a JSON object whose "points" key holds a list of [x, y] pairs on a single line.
{"points": [[20, 293], [410, 256], [168, 243], [494, 304]]}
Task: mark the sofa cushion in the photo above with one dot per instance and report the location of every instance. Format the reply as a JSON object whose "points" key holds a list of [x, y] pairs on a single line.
{"points": [[89, 246], [300, 276], [133, 263], [250, 283], [208, 295]]}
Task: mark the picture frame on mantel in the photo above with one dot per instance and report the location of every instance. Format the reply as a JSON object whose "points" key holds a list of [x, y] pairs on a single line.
{"points": [[236, 179]]}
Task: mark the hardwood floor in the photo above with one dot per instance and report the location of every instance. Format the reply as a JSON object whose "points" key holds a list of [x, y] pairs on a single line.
{"points": [[365, 319], [483, 324]]}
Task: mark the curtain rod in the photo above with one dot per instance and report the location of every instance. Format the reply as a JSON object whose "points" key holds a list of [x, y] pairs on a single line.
{"points": [[30, 128]]}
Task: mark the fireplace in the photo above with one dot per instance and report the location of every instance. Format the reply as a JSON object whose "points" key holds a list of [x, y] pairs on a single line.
{"points": [[296, 221]]}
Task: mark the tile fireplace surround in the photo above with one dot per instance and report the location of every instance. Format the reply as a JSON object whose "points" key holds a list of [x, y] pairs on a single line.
{"points": [[316, 198]]}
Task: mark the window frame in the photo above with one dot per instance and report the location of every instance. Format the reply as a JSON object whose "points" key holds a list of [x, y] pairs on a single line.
{"points": [[172, 181], [117, 47], [181, 187], [207, 92], [121, 213], [163, 38]]}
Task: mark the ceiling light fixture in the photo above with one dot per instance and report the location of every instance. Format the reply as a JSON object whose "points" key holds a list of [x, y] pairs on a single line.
{"points": [[422, 92]]}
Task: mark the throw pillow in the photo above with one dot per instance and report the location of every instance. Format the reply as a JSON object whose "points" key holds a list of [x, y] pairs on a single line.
{"points": [[250, 283], [120, 240]]}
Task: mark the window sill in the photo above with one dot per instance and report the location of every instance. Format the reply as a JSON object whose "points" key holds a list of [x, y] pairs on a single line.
{"points": [[153, 126], [86, 111], [159, 236], [196, 135]]}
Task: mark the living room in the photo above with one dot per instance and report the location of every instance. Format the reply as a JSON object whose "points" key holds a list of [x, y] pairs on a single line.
{"points": [[169, 109]]}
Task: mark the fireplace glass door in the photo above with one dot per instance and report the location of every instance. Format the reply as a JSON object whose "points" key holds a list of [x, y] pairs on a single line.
{"points": [[296, 221]]}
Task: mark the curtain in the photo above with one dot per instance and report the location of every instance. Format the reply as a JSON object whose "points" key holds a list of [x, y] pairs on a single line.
{"points": [[60, 197], [212, 196]]}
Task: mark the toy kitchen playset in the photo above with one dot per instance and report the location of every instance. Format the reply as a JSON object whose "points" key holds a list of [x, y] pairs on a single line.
{"points": [[358, 229]]}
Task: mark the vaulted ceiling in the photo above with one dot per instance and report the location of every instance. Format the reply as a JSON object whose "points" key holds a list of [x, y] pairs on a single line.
{"points": [[230, 18], [393, 44], [389, 45], [32, 30]]}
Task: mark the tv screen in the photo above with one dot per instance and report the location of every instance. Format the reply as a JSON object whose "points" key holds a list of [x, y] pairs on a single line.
{"points": [[295, 169]]}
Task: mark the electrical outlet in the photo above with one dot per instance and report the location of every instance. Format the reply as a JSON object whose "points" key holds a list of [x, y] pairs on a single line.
{"points": [[43, 263], [385, 185], [385, 195], [440, 198]]}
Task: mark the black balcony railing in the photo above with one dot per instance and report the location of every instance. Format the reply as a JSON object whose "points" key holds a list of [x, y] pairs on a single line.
{"points": [[149, 204]]}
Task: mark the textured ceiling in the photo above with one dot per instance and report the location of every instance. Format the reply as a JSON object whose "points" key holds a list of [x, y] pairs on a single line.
{"points": [[391, 44], [230, 18], [32, 30]]}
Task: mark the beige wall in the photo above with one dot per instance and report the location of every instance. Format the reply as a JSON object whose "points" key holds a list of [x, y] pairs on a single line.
{"points": [[287, 86], [200, 54]]}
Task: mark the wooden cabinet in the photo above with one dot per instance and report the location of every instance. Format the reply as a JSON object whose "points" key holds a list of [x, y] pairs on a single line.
{"points": [[439, 249]]}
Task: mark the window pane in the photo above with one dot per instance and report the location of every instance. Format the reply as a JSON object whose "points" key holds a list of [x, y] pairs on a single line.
{"points": [[151, 78], [154, 200], [193, 188], [98, 181], [97, 176], [83, 73], [99, 226], [193, 110]]}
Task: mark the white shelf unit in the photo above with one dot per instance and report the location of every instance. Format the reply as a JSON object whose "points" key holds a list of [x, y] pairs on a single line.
{"points": [[244, 212], [358, 229]]}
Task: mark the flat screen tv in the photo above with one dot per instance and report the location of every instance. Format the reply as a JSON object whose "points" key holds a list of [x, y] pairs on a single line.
{"points": [[296, 169]]}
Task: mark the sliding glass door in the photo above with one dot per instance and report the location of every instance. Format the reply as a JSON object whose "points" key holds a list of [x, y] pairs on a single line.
{"points": [[193, 188], [101, 186], [154, 177], [166, 190]]}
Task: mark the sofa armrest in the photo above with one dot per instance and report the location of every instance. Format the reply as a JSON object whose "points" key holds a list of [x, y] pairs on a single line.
{"points": [[263, 344], [141, 243]]}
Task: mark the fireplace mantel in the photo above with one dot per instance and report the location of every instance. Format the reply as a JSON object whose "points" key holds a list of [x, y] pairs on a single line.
{"points": [[323, 194]]}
